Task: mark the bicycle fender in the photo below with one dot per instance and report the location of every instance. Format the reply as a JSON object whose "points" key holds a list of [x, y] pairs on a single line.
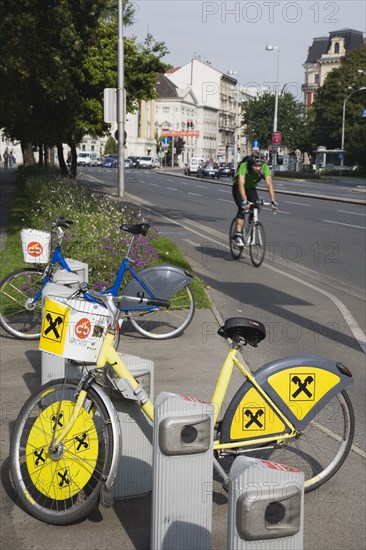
{"points": [[108, 486], [160, 281], [300, 386]]}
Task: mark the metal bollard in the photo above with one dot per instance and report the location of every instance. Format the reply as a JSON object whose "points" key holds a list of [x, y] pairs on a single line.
{"points": [[182, 471], [266, 506]]}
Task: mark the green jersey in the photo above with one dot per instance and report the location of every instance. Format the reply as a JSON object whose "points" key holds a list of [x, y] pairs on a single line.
{"points": [[251, 179]]}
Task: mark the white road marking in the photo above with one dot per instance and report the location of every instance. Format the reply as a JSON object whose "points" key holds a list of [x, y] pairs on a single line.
{"points": [[346, 224]]}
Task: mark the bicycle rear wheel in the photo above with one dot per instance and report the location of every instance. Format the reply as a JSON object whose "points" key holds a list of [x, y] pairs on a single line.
{"points": [[63, 486], [236, 251], [257, 246], [163, 323], [18, 316], [321, 449]]}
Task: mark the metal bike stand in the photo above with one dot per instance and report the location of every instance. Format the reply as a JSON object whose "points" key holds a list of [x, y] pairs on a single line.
{"points": [[266, 506], [134, 476], [182, 473], [79, 274]]}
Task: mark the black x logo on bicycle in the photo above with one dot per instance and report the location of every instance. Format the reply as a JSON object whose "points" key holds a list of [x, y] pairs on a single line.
{"points": [[64, 478], [304, 386], [53, 326], [81, 442], [40, 458], [254, 422]]}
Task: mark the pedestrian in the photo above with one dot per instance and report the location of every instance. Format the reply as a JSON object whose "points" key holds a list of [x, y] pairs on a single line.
{"points": [[248, 174], [6, 158]]}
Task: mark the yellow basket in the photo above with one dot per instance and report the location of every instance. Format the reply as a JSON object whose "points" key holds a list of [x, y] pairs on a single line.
{"points": [[36, 246], [73, 328]]}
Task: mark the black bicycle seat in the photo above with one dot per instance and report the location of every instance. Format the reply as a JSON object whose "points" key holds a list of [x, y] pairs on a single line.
{"points": [[136, 228], [236, 328]]}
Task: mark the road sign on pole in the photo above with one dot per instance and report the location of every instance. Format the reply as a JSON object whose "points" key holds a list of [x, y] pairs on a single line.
{"points": [[276, 138]]}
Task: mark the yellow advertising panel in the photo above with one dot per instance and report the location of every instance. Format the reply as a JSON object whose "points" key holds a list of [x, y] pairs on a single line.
{"points": [[301, 388], [62, 477], [54, 326], [254, 418]]}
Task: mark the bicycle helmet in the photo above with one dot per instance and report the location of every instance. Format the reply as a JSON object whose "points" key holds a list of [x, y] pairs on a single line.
{"points": [[258, 158]]}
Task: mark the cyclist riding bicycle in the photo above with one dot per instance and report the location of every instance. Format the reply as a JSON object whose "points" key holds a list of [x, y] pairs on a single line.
{"points": [[248, 175]]}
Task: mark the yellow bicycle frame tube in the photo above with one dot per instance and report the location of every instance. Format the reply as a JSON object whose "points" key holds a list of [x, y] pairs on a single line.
{"points": [[108, 355]]}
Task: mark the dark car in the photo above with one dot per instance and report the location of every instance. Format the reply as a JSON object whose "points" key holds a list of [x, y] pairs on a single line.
{"points": [[226, 170], [111, 161], [208, 170], [135, 161]]}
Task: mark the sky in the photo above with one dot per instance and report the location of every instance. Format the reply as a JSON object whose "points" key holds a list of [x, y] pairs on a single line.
{"points": [[233, 35]]}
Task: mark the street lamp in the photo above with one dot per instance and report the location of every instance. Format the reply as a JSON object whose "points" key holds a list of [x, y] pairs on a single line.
{"points": [[236, 120], [344, 119], [271, 48]]}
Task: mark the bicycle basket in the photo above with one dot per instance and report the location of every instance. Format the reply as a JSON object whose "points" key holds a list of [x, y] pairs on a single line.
{"points": [[73, 328], [36, 246]]}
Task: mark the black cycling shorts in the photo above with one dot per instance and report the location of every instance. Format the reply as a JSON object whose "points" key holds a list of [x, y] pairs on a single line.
{"points": [[252, 196]]}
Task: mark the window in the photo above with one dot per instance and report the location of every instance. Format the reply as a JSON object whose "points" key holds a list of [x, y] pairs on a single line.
{"points": [[336, 47], [316, 78], [166, 109]]}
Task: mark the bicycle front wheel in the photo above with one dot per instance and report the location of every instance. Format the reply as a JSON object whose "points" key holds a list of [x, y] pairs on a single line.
{"points": [[320, 450], [257, 245], [60, 486], [18, 315], [163, 323], [236, 251]]}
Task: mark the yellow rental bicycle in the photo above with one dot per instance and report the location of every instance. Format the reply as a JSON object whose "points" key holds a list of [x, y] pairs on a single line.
{"points": [[66, 444]]}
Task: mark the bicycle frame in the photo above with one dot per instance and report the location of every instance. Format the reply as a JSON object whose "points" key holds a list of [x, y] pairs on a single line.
{"points": [[58, 258]]}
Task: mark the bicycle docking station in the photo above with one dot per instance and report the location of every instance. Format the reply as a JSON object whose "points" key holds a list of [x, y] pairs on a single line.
{"points": [[266, 506], [182, 471]]}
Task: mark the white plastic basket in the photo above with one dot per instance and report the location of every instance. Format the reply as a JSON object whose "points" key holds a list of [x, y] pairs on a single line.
{"points": [[73, 329], [36, 246]]}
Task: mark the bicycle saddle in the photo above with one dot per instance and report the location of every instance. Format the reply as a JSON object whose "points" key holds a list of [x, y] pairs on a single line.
{"points": [[135, 228], [236, 328]]}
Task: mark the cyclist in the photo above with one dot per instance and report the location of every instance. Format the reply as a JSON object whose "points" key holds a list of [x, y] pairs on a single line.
{"points": [[248, 174]]}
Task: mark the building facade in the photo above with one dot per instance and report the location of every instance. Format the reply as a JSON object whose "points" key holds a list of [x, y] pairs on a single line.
{"points": [[324, 55]]}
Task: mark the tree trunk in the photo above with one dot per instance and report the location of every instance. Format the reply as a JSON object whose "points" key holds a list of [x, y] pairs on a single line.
{"points": [[73, 168], [27, 152], [60, 153]]}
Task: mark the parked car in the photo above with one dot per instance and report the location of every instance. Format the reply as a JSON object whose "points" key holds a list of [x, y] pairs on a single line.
{"points": [[208, 170], [128, 163], [111, 161], [86, 158], [146, 162], [226, 169], [98, 161]]}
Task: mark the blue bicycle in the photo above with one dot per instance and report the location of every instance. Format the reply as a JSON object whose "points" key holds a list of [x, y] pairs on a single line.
{"points": [[21, 293]]}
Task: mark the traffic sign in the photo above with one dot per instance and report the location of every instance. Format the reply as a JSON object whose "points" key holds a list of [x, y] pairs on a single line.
{"points": [[276, 138], [256, 144], [166, 140], [364, 113]]}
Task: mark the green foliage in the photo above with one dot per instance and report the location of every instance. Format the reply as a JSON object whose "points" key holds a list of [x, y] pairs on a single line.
{"points": [[56, 60], [327, 109], [257, 120], [111, 146], [95, 236]]}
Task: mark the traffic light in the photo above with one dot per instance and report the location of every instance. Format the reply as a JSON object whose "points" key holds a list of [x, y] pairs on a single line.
{"points": [[179, 144]]}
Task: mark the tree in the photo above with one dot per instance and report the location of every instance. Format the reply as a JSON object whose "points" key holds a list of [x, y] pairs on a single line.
{"points": [[57, 58], [327, 108], [257, 120], [111, 146]]}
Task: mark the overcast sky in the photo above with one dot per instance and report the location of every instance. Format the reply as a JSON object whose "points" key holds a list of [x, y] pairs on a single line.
{"points": [[233, 35]]}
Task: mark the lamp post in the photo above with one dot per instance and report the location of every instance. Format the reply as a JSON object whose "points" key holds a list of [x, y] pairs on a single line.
{"points": [[271, 48], [120, 104], [236, 120], [344, 120]]}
